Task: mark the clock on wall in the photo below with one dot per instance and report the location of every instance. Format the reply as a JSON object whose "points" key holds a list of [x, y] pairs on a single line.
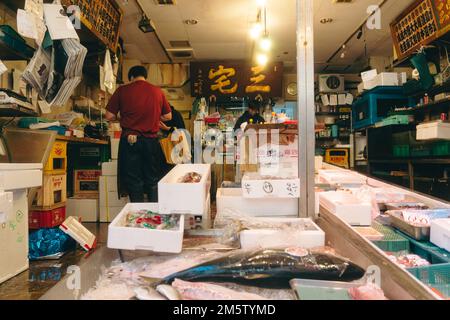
{"points": [[291, 89]]}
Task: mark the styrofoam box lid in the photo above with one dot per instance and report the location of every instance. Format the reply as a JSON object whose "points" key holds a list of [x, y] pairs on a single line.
{"points": [[434, 124], [444, 223], [20, 166]]}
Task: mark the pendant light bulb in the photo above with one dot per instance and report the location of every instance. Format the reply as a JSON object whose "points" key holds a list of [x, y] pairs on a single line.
{"points": [[262, 59], [265, 44], [256, 31]]}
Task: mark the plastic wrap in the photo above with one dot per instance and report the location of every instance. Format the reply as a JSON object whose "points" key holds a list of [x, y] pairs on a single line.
{"points": [[49, 242]]}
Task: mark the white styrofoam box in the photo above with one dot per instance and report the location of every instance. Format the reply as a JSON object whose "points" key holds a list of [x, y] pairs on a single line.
{"points": [[256, 186], [347, 207], [232, 200], [185, 198], [115, 148], [87, 209], [387, 79], [108, 193], [440, 233], [199, 222], [126, 238], [318, 162], [108, 183], [15, 176], [14, 237], [433, 130], [272, 238], [286, 167], [341, 177], [109, 168], [108, 214]]}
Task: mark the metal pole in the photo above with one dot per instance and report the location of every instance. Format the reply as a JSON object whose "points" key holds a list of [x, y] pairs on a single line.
{"points": [[305, 105]]}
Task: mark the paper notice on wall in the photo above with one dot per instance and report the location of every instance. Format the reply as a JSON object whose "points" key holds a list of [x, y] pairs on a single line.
{"points": [[325, 100], [341, 99], [6, 206], [349, 99], [333, 100], [26, 24], [58, 23], [3, 68]]}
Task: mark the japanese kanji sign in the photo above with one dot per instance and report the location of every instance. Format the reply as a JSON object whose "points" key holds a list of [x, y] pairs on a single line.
{"points": [[236, 79]]}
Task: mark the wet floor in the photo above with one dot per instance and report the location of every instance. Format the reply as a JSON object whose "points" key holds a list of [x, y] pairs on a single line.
{"points": [[43, 275]]}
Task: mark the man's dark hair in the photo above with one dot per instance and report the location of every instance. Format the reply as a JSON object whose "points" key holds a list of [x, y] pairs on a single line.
{"points": [[137, 71]]}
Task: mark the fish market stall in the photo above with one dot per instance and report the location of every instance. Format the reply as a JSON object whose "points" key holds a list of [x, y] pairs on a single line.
{"points": [[251, 257]]}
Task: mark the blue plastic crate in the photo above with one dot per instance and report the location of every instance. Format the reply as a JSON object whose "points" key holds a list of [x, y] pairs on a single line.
{"points": [[375, 105]]}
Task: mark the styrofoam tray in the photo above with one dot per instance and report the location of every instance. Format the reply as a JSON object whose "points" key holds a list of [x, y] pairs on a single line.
{"points": [[347, 207], [254, 186], [79, 233], [185, 198], [440, 233], [271, 238], [232, 200], [433, 130], [127, 238]]}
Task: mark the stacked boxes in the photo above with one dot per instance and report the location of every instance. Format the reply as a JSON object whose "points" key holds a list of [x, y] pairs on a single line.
{"points": [[49, 203], [110, 203]]}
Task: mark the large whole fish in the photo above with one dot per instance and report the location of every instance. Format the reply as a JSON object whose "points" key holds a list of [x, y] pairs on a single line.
{"points": [[272, 268]]}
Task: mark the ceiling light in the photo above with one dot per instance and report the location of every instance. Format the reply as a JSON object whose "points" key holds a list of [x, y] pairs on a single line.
{"points": [[190, 22], [146, 25], [261, 3], [262, 59], [326, 20], [265, 43], [256, 30], [342, 55]]}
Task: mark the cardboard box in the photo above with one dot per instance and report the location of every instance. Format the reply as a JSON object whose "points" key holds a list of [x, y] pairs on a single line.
{"points": [[109, 168], [108, 193], [86, 181], [53, 191], [86, 209]]}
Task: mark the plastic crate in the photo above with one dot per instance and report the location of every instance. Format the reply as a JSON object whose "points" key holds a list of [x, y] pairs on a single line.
{"points": [[392, 241], [441, 148], [57, 161], [47, 218], [401, 151], [420, 150], [427, 250], [435, 276]]}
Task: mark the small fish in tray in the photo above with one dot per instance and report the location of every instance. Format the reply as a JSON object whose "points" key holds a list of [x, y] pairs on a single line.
{"points": [[191, 177], [151, 220]]}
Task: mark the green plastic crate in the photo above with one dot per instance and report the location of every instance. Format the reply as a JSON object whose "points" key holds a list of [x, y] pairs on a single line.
{"points": [[392, 241], [441, 148], [395, 120], [427, 250], [401, 151], [420, 150], [435, 276]]}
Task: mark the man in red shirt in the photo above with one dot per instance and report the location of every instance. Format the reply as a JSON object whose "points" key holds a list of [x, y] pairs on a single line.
{"points": [[141, 107]]}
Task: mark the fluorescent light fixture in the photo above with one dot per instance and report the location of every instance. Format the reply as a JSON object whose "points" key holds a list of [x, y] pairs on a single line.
{"points": [[262, 59], [265, 44], [256, 31]]}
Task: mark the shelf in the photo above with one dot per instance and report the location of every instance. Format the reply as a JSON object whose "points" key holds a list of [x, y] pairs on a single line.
{"points": [[82, 140], [413, 161], [332, 113], [425, 107], [8, 53], [14, 110]]}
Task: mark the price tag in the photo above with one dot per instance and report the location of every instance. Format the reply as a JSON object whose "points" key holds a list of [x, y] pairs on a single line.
{"points": [[6, 206]]}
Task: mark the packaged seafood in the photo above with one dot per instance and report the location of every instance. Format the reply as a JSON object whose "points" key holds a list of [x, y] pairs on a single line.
{"points": [[272, 268], [176, 197], [122, 235], [152, 220], [416, 223], [406, 205], [408, 260], [191, 177]]}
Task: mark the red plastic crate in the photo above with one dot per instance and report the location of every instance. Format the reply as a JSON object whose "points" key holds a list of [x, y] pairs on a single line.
{"points": [[46, 219]]}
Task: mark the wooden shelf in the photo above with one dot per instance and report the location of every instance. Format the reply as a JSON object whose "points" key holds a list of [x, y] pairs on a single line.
{"points": [[8, 53], [413, 161], [82, 140]]}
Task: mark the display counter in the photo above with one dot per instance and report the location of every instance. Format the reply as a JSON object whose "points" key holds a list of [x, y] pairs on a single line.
{"points": [[396, 282]]}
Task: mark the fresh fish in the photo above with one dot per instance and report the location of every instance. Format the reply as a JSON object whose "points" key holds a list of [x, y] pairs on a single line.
{"points": [[367, 292], [272, 268], [208, 291], [168, 291], [147, 294]]}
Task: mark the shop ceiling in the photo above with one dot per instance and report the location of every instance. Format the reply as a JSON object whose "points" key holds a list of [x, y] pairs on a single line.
{"points": [[222, 31]]}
